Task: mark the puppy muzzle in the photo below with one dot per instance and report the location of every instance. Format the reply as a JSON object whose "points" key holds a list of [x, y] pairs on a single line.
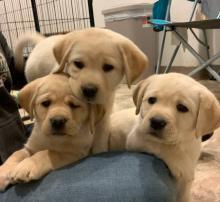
{"points": [[157, 125], [58, 123], [89, 91]]}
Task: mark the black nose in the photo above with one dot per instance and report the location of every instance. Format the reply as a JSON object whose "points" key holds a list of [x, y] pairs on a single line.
{"points": [[157, 123], [89, 91], [58, 122]]}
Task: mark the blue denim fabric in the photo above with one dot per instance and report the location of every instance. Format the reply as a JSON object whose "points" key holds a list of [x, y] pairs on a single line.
{"points": [[108, 177]]}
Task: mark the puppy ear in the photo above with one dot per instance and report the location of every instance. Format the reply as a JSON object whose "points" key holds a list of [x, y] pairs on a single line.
{"points": [[135, 61], [96, 113], [62, 50], [139, 92], [27, 96], [208, 115]]}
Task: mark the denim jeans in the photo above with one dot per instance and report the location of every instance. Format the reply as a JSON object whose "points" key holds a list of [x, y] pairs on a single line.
{"points": [[107, 177]]}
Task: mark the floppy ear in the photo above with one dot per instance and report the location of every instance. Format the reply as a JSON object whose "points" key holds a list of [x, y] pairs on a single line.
{"points": [[62, 50], [27, 96], [134, 60], [139, 92], [208, 115], [96, 113]]}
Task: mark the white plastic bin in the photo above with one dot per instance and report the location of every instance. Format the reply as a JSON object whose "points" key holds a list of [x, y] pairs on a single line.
{"points": [[128, 20]]}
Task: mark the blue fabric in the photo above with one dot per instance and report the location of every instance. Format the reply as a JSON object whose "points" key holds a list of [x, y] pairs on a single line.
{"points": [[159, 12], [108, 177], [159, 22]]}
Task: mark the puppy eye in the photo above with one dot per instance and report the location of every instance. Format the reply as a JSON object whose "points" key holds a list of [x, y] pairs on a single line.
{"points": [[107, 67], [152, 100], [46, 103], [182, 108], [79, 64], [73, 106]]}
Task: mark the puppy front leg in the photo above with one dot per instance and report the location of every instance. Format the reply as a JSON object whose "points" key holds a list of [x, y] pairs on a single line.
{"points": [[184, 175], [101, 137], [183, 191], [40, 164], [9, 165]]}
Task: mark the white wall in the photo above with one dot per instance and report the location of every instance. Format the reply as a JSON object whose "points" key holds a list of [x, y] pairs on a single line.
{"points": [[180, 11]]}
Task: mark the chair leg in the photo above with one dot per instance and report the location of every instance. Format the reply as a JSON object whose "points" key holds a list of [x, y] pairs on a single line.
{"points": [[206, 43], [172, 58], [213, 73], [194, 9], [203, 62], [161, 52], [178, 46]]}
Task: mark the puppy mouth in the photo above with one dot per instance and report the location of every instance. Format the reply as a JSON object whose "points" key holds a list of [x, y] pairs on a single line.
{"points": [[154, 133], [95, 100], [160, 136], [59, 134], [89, 100]]}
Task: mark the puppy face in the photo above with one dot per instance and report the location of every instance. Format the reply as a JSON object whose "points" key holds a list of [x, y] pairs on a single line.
{"points": [[97, 59], [56, 110], [174, 108]]}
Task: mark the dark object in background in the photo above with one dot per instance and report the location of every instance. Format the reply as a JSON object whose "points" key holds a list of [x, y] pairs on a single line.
{"points": [[12, 131], [18, 78], [5, 74]]}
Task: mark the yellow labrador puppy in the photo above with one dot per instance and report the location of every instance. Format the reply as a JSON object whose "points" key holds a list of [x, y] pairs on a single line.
{"points": [[174, 112], [62, 131], [96, 59]]}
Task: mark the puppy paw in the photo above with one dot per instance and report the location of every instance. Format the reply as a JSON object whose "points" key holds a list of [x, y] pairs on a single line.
{"points": [[4, 182], [4, 179], [24, 172]]}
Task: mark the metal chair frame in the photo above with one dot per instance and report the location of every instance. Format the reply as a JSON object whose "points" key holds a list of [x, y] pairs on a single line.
{"points": [[204, 63]]}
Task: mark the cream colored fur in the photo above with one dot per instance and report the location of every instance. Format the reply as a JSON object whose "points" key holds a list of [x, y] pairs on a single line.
{"points": [[25, 40], [95, 48], [50, 148], [178, 144]]}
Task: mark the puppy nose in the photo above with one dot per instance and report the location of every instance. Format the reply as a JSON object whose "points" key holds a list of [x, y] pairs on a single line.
{"points": [[89, 91], [58, 122], [157, 123]]}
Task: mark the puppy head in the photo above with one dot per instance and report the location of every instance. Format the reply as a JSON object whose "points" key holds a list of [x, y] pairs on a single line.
{"points": [[57, 112], [174, 108], [97, 59]]}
